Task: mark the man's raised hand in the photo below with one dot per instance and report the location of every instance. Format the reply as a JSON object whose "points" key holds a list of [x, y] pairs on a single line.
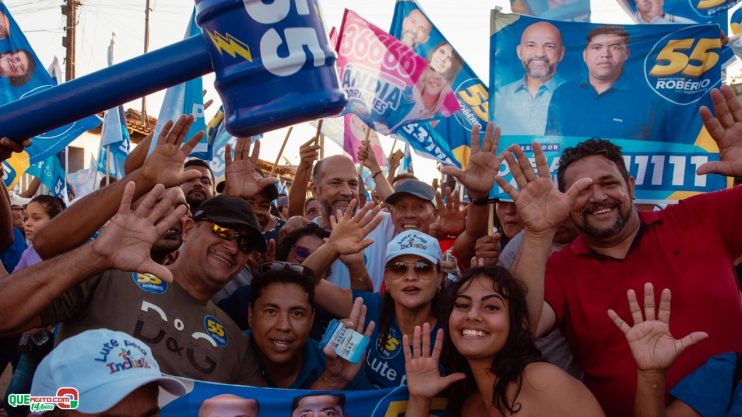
{"points": [[165, 164], [240, 176], [126, 241], [726, 130]]}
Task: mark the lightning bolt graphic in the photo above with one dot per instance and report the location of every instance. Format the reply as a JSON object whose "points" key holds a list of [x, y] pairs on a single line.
{"points": [[230, 45]]}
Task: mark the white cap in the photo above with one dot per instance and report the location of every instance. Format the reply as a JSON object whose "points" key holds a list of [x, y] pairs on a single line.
{"points": [[17, 200], [413, 242], [104, 366]]}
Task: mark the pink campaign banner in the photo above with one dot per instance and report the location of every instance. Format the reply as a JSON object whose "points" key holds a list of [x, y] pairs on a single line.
{"points": [[348, 131], [387, 83]]}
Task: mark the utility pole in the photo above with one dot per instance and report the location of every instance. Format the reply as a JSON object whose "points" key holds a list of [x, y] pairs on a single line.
{"points": [[145, 119], [69, 9]]}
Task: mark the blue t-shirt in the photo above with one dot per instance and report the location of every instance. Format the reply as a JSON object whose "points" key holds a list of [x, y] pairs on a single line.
{"points": [[312, 368], [385, 366], [10, 256], [620, 112], [708, 389]]}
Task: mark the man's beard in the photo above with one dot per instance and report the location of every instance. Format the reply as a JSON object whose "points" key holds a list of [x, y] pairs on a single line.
{"points": [[594, 232], [539, 72], [327, 207]]}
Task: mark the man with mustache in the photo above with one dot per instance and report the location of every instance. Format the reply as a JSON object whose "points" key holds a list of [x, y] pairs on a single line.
{"points": [[605, 104], [523, 104], [198, 190], [689, 247]]}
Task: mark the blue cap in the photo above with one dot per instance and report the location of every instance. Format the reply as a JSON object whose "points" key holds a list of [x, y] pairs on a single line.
{"points": [[413, 242], [104, 366]]}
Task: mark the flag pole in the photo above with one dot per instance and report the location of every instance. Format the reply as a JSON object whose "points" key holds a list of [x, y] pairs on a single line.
{"points": [[490, 219], [365, 143], [280, 152], [108, 157]]}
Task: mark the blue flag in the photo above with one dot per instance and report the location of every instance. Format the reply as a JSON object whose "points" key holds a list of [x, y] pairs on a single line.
{"points": [[571, 10], [114, 140], [680, 11], [51, 174], [22, 74], [447, 140], [186, 98], [639, 86]]}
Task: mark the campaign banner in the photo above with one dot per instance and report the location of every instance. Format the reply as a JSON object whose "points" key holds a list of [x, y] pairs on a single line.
{"points": [[114, 137], [186, 98], [570, 10], [51, 174], [348, 132], [22, 74], [207, 399], [735, 22], [447, 140], [638, 85], [679, 11], [387, 83]]}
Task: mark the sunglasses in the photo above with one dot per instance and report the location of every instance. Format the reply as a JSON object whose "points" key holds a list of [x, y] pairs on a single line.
{"points": [[401, 268], [243, 242], [278, 266]]}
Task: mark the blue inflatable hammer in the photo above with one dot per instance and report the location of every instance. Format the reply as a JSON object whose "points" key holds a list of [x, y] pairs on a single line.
{"points": [[272, 61]]}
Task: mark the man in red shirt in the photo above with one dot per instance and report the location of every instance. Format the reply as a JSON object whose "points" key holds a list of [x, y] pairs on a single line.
{"points": [[689, 248]]}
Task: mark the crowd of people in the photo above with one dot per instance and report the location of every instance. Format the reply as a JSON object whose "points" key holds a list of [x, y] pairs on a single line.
{"points": [[216, 282]]}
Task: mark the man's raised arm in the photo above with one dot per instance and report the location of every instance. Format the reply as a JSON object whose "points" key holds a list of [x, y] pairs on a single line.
{"points": [[542, 207], [77, 223], [124, 244]]}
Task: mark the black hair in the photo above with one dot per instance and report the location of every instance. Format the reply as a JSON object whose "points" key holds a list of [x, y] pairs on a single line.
{"points": [[288, 241], [510, 362], [403, 176], [339, 397], [387, 313], [608, 30], [285, 275], [590, 147], [110, 179], [52, 205], [26, 76], [199, 163]]}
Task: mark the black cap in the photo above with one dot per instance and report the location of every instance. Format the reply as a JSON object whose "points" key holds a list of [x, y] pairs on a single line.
{"points": [[233, 212], [414, 188]]}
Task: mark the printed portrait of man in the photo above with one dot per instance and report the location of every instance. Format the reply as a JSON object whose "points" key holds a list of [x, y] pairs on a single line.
{"points": [[415, 29], [228, 405], [522, 105], [329, 405]]}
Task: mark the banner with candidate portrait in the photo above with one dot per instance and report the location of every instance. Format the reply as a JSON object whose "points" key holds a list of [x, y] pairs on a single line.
{"points": [[679, 11], [22, 74], [387, 83], [348, 132], [450, 136], [640, 86], [571, 10], [206, 399]]}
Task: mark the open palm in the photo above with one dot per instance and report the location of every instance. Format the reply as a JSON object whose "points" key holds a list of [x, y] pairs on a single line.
{"points": [[650, 340], [479, 175], [726, 130], [424, 378]]}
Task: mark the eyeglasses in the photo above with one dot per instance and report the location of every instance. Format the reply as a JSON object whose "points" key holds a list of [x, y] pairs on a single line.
{"points": [[278, 266], [243, 242], [401, 268]]}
